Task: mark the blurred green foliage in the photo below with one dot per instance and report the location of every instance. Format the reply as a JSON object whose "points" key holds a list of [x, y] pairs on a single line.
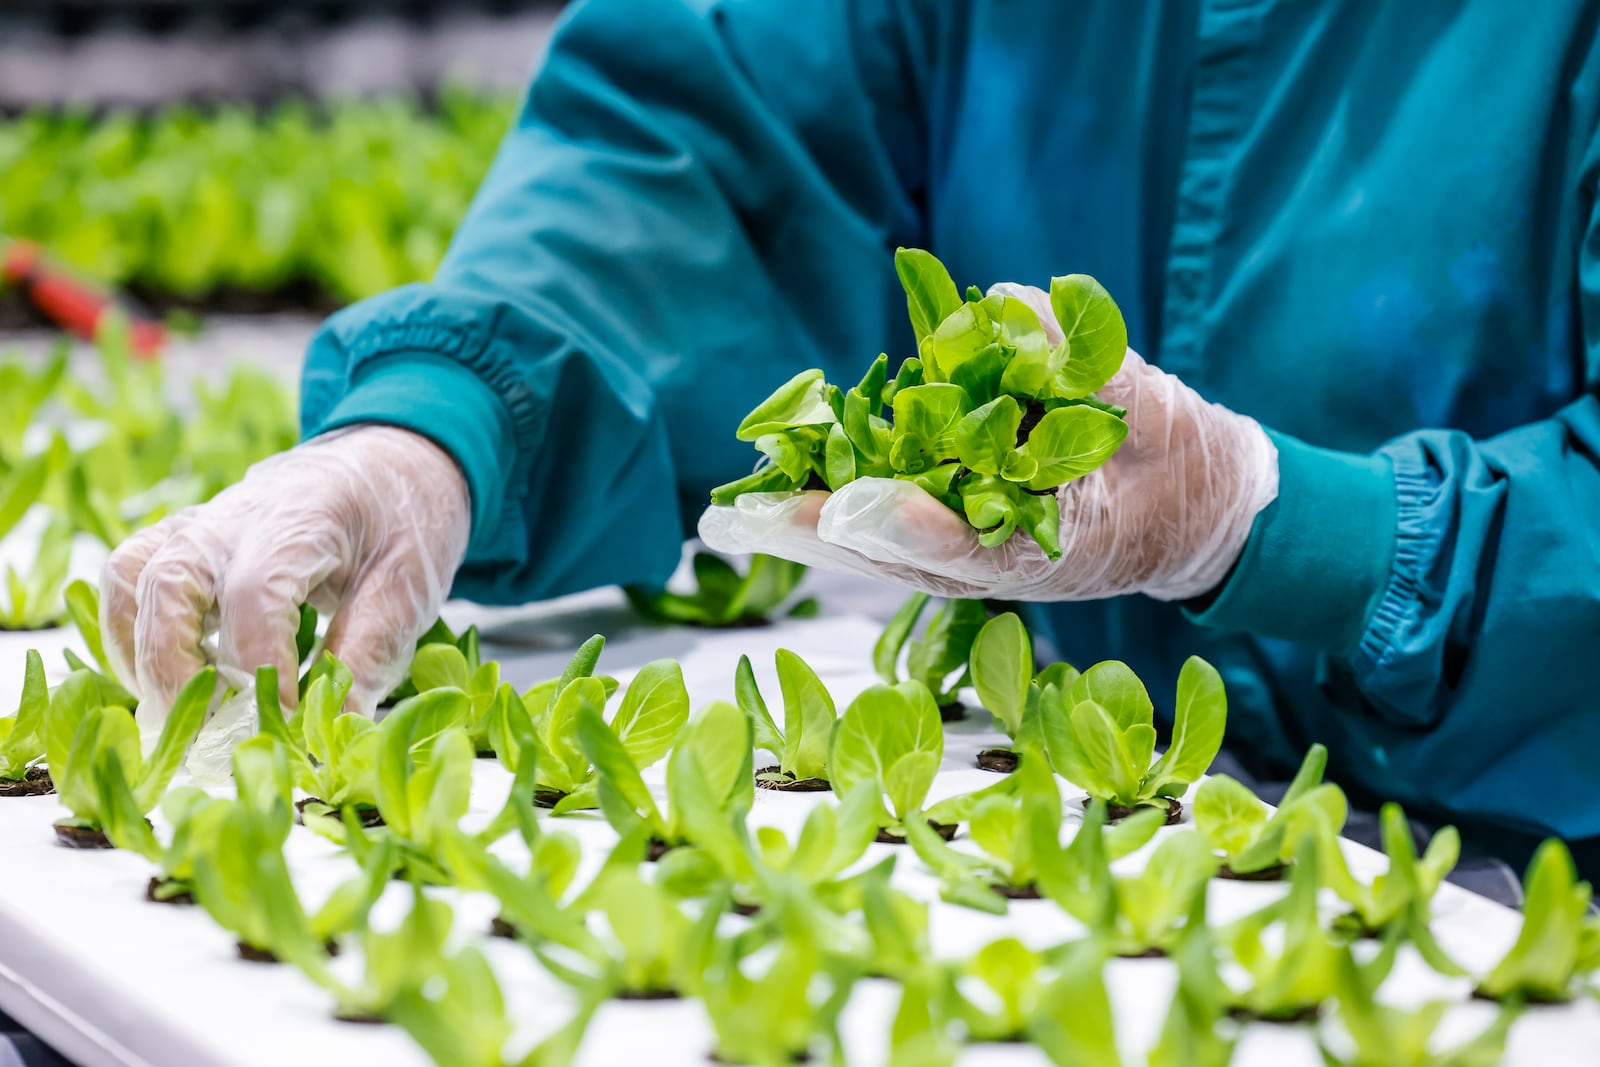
{"points": [[351, 197]]}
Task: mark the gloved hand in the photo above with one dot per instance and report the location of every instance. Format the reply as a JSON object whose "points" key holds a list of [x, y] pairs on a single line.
{"points": [[1167, 516], [367, 524]]}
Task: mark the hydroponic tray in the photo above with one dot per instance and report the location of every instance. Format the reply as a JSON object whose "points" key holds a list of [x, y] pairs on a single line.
{"points": [[112, 980]]}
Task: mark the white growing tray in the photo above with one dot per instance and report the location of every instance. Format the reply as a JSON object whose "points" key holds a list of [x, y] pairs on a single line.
{"points": [[112, 980]]}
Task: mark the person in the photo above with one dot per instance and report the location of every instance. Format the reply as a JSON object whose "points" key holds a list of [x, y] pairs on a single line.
{"points": [[1355, 246]]}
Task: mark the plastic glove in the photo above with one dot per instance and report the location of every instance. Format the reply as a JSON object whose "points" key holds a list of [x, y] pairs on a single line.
{"points": [[1167, 516], [366, 524]]}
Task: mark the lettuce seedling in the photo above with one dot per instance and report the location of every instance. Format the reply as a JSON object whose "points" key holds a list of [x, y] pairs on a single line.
{"points": [[447, 665], [1010, 979], [1006, 824], [440, 633], [808, 718], [938, 658], [724, 598], [396, 961], [24, 481], [774, 1018], [424, 776], [646, 724], [989, 417], [1379, 1035], [333, 753], [22, 736], [23, 394], [1074, 1023], [710, 780], [1001, 669], [890, 736], [1402, 897], [1255, 842], [1100, 734], [1291, 976], [243, 883], [458, 1017], [1134, 915], [1197, 1031], [94, 748], [83, 608], [897, 927], [32, 600], [1558, 944], [920, 1033]]}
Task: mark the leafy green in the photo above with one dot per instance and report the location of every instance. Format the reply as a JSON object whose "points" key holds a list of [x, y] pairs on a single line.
{"points": [[1251, 839], [1400, 898], [1100, 732], [1380, 1035], [1014, 978], [94, 747], [725, 598], [22, 735], [1291, 975], [710, 779], [333, 753], [458, 1017], [396, 961], [890, 736], [243, 881], [1073, 1023], [808, 717], [986, 417], [1557, 944], [937, 658], [646, 724], [348, 198], [1008, 823], [1197, 1032], [31, 600]]}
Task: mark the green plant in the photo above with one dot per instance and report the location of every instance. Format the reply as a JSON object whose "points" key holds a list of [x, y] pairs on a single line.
{"points": [[1073, 1023], [1001, 668], [333, 753], [83, 608], [1013, 978], [24, 392], [1144, 913], [652, 715], [459, 1018], [22, 736], [24, 480], [1197, 1031], [424, 775], [808, 718], [1100, 733], [394, 961], [1558, 943], [1400, 898], [1379, 1035], [773, 1019], [243, 882], [93, 749], [1292, 976], [938, 658], [457, 665], [987, 418], [890, 736], [710, 779], [1254, 842], [920, 1033], [725, 598], [32, 600]]}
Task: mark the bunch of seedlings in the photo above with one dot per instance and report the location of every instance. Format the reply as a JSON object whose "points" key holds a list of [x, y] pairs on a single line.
{"points": [[937, 656], [990, 417], [723, 598]]}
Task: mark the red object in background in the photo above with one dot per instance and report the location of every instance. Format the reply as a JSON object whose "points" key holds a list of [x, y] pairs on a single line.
{"points": [[70, 302]]}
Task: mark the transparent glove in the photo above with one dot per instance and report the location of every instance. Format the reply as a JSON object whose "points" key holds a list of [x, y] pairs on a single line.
{"points": [[366, 524], [1167, 516]]}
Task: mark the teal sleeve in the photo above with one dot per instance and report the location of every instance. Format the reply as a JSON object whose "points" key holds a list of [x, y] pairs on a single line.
{"points": [[696, 201]]}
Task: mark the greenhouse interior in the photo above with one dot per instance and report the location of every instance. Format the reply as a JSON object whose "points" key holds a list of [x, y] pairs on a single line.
{"points": [[897, 533]]}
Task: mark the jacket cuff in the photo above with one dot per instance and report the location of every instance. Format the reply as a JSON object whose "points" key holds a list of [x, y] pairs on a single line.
{"points": [[446, 403], [1319, 556]]}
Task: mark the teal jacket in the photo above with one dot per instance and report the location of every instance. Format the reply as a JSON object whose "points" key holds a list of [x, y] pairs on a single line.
{"points": [[1371, 226]]}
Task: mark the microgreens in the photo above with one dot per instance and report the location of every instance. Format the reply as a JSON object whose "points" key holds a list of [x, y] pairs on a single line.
{"points": [[988, 417], [725, 598]]}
